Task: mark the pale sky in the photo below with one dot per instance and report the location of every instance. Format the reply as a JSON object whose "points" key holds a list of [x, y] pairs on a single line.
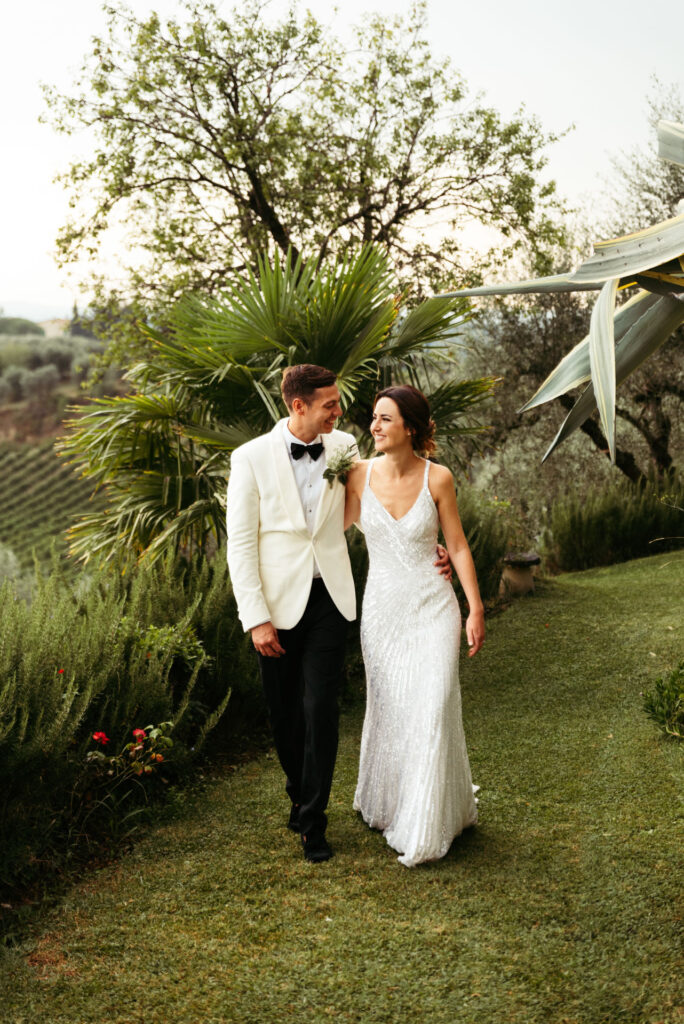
{"points": [[589, 63]]}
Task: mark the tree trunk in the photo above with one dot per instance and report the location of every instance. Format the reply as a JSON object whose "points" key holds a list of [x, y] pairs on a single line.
{"points": [[624, 460], [655, 426]]}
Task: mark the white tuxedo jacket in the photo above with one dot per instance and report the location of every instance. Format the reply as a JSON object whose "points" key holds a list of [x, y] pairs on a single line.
{"points": [[270, 550]]}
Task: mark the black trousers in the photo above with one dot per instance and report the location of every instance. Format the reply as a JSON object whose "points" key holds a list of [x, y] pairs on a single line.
{"points": [[302, 689]]}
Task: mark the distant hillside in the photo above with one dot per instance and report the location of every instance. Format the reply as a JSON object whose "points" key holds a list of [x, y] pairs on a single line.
{"points": [[40, 495]]}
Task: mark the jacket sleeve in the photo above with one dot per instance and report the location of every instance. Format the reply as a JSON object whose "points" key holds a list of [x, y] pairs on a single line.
{"points": [[242, 520]]}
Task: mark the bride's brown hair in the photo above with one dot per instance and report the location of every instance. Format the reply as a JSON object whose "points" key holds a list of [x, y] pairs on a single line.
{"points": [[415, 412]]}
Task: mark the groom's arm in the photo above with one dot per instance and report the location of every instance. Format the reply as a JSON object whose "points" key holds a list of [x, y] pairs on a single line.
{"points": [[242, 520]]}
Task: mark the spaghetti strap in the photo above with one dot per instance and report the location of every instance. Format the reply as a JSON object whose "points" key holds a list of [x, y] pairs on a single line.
{"points": [[427, 470], [368, 472]]}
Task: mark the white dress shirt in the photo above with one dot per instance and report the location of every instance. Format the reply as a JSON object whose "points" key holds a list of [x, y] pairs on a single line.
{"points": [[308, 474]]}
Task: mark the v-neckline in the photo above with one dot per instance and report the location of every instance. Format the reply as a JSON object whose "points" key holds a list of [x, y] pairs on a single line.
{"points": [[386, 510]]}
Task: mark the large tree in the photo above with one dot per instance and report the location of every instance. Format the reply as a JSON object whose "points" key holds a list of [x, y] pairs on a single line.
{"points": [[218, 138], [644, 188], [523, 341], [647, 266]]}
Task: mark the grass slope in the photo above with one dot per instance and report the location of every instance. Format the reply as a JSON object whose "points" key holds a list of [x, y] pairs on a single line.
{"points": [[561, 907], [40, 495]]}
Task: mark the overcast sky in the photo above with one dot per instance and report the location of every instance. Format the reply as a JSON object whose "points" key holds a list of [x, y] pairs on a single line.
{"points": [[589, 63]]}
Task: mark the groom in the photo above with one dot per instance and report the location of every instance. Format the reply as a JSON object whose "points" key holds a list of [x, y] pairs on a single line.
{"points": [[293, 584]]}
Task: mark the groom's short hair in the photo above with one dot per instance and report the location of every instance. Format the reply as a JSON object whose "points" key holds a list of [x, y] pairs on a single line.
{"points": [[301, 381]]}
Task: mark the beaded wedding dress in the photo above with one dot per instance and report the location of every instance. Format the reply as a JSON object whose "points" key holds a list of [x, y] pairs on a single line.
{"points": [[414, 777]]}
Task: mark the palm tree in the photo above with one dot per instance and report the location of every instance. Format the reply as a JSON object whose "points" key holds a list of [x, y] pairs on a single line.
{"points": [[619, 340], [162, 452]]}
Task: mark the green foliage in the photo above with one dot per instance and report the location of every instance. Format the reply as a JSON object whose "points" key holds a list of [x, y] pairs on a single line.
{"points": [[615, 523], [162, 451], [19, 325], [622, 337], [115, 652], [527, 920], [111, 790], [665, 703], [254, 134], [39, 498], [487, 526], [646, 189], [14, 378], [66, 354]]}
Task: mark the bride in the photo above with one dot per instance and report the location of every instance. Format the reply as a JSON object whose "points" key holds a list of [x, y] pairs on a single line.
{"points": [[414, 777]]}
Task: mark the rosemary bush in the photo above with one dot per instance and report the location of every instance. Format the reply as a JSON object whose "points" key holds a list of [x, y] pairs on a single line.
{"points": [[115, 652], [616, 523]]}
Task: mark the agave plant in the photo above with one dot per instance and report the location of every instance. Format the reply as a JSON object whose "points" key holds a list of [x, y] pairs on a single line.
{"points": [[619, 340], [162, 452]]}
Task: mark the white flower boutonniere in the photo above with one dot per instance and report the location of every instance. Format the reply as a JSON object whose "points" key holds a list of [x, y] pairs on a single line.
{"points": [[338, 465]]}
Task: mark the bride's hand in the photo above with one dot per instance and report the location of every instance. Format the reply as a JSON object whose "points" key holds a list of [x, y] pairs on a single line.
{"points": [[475, 631], [443, 562]]}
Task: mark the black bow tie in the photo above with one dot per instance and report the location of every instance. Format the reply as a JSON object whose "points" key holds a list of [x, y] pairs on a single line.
{"points": [[314, 450]]}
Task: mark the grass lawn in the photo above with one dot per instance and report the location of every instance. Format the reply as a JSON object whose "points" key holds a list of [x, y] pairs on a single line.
{"points": [[563, 906]]}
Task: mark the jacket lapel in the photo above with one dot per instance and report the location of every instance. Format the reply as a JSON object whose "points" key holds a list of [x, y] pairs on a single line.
{"points": [[286, 482], [328, 494]]}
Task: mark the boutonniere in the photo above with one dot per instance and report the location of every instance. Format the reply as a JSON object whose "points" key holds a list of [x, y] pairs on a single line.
{"points": [[339, 463]]}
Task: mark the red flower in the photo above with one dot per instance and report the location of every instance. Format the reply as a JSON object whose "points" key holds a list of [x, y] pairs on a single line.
{"points": [[101, 737], [60, 671], [139, 735]]}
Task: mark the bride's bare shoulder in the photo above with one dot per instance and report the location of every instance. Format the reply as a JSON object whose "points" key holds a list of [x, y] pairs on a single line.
{"points": [[441, 479], [357, 474]]}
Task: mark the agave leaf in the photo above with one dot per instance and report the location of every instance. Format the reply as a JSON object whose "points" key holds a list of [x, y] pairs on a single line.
{"points": [[655, 284], [630, 254], [575, 368], [536, 285], [671, 142], [643, 338], [602, 359]]}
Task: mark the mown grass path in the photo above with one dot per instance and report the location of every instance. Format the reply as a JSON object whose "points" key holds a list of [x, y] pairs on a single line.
{"points": [[562, 907]]}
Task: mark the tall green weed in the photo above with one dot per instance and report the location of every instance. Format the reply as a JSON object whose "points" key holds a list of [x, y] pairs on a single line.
{"points": [[616, 523]]}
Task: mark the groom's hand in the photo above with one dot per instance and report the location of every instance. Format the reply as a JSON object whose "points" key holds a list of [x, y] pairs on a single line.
{"points": [[443, 562], [265, 639]]}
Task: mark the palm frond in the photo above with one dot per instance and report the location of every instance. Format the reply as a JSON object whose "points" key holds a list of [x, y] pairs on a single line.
{"points": [[161, 453]]}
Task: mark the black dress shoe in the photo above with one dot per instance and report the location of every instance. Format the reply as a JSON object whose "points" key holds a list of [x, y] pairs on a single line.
{"points": [[316, 848], [293, 823]]}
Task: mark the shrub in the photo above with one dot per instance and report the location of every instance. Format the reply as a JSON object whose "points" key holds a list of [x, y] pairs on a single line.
{"points": [[665, 703], [487, 527], [19, 325], [616, 523], [17, 354], [40, 383], [15, 377], [101, 657], [60, 354], [10, 566]]}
